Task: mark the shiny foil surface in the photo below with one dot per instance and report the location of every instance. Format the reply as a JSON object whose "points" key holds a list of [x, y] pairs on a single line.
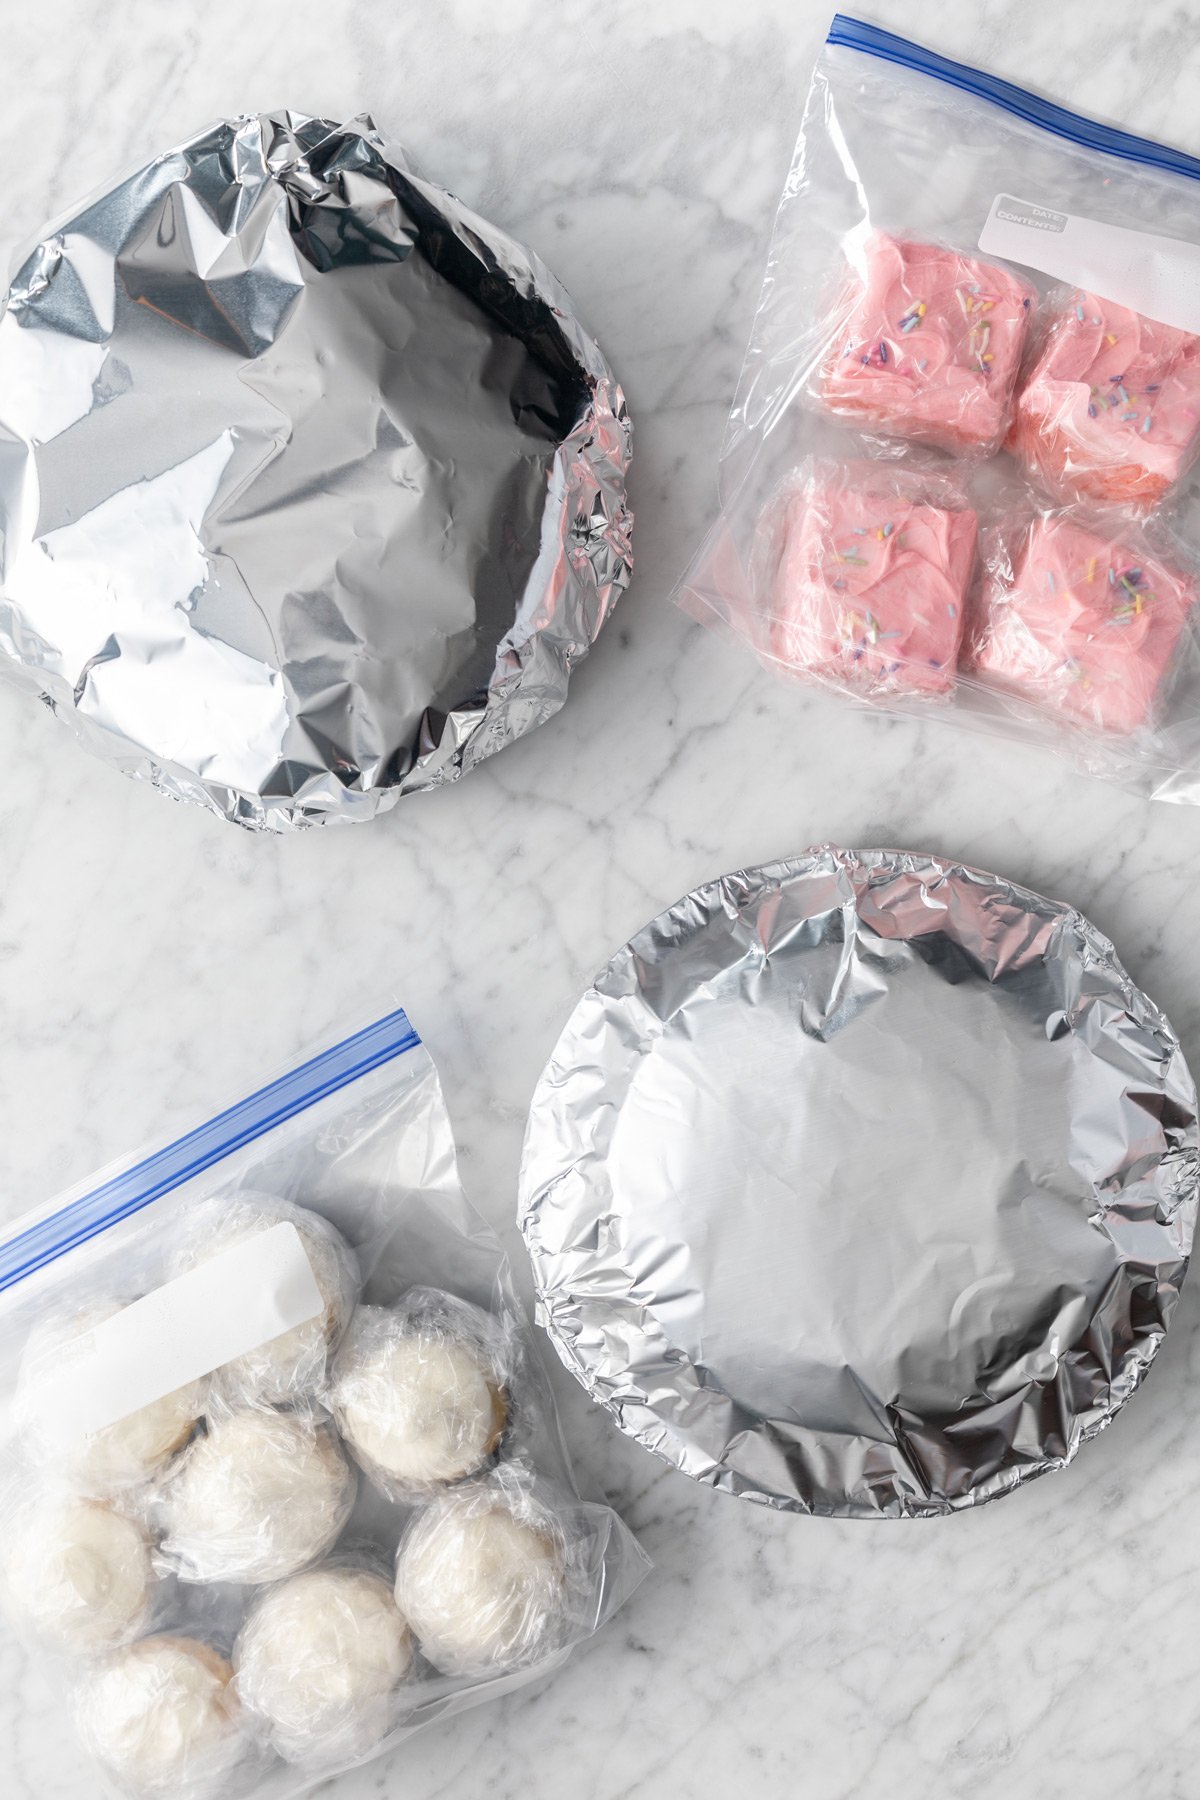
{"points": [[862, 1185], [312, 486]]}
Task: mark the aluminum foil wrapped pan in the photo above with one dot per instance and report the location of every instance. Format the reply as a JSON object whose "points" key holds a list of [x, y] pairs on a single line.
{"points": [[862, 1184], [311, 482]]}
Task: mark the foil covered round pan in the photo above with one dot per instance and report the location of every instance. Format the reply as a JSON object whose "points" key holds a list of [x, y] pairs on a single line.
{"points": [[312, 485], [862, 1185]]}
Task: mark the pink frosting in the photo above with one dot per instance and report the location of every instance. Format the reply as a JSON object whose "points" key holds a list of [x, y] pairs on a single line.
{"points": [[1111, 410], [931, 346], [870, 587], [1090, 624]]}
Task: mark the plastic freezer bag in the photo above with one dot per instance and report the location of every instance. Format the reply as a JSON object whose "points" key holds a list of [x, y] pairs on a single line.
{"points": [[282, 1479], [980, 320]]}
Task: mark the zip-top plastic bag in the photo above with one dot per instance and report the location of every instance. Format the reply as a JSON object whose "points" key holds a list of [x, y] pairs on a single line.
{"points": [[282, 1476], [960, 472]]}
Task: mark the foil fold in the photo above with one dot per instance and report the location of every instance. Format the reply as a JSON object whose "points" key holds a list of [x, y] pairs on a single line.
{"points": [[862, 1184], [312, 484]]}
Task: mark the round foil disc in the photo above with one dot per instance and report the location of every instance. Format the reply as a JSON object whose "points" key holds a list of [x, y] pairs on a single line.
{"points": [[862, 1184], [312, 489]]}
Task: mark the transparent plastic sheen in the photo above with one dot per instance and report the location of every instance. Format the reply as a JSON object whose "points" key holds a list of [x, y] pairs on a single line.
{"points": [[363, 1522], [893, 358]]}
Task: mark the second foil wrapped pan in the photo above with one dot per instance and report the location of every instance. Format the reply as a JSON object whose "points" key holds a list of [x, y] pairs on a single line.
{"points": [[312, 485], [862, 1184]]}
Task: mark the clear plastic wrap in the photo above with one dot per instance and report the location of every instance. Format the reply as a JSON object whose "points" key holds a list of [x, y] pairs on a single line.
{"points": [[180, 1520], [1082, 616], [323, 1662], [294, 1365], [255, 1497], [1109, 411], [422, 1391], [966, 283], [493, 1576], [161, 1720], [121, 1457], [924, 343], [871, 565], [78, 1573]]}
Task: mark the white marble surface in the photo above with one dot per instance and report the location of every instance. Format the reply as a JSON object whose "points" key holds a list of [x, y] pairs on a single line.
{"points": [[152, 959]]}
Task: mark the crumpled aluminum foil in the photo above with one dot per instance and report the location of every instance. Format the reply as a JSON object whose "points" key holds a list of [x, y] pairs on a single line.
{"points": [[311, 483], [862, 1185]]}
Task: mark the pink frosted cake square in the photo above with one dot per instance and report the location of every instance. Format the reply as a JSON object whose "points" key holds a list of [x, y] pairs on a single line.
{"points": [[931, 345], [871, 582], [1111, 410], [1086, 621]]}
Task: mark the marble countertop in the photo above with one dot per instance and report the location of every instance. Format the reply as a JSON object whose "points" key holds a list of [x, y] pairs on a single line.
{"points": [[154, 960]]}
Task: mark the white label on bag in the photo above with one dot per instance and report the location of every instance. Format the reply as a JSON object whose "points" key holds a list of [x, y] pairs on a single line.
{"points": [[1156, 276], [238, 1300]]}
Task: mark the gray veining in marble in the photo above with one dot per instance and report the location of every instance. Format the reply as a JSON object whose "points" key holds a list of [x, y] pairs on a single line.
{"points": [[154, 961]]}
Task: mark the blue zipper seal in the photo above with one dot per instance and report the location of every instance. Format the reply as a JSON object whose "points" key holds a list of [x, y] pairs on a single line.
{"points": [[156, 1175], [872, 40]]}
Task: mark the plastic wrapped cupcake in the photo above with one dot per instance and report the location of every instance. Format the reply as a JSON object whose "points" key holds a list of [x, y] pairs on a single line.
{"points": [[292, 1366], [258, 1496], [78, 1573], [119, 1457], [484, 1578], [161, 1719], [421, 1391], [322, 1663]]}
